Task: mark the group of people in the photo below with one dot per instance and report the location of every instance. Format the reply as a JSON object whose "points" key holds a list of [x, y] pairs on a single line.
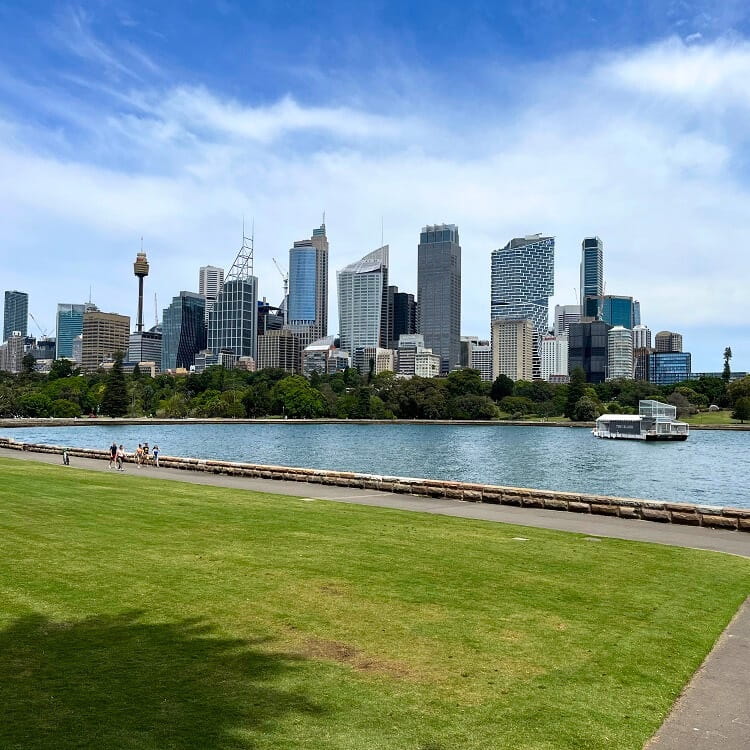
{"points": [[142, 456]]}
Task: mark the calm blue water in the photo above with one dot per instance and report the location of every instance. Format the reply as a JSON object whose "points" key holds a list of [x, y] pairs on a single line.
{"points": [[711, 467]]}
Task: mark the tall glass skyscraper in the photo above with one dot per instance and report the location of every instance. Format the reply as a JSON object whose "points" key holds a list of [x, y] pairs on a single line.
{"points": [[16, 314], [592, 276], [522, 281], [617, 311], [439, 293], [183, 331], [308, 284], [233, 323], [363, 302], [69, 325]]}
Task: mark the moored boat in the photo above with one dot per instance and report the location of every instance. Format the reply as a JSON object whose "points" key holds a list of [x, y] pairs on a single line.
{"points": [[654, 421]]}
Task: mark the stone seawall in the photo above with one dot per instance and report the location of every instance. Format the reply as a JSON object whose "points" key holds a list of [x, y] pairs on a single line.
{"points": [[735, 519]]}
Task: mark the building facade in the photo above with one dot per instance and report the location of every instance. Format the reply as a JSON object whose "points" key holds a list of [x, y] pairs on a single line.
{"points": [[307, 303], [145, 347], [210, 283], [183, 331], [402, 315], [564, 316], [668, 368], [642, 362], [15, 314], [233, 322], [363, 302], [619, 353], [322, 356], [554, 356], [668, 341], [439, 292], [374, 359], [279, 349], [104, 335], [587, 349], [641, 337], [617, 310], [512, 348], [69, 325], [481, 359], [592, 276], [11, 353]]}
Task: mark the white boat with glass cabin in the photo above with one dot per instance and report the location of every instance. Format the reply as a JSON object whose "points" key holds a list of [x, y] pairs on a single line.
{"points": [[654, 421]]}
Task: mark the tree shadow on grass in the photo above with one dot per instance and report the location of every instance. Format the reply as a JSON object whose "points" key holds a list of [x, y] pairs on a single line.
{"points": [[119, 682]]}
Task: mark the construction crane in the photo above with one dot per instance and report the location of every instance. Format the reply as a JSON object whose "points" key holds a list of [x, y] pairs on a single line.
{"points": [[284, 276], [43, 331]]}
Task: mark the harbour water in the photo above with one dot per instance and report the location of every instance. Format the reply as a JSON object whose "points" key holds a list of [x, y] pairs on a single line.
{"points": [[710, 468]]}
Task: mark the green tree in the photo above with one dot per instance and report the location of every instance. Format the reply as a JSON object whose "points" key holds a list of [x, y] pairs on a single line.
{"points": [[586, 410], [66, 409], [517, 406], [464, 382], [502, 386], [294, 397], [738, 389], [727, 373], [742, 409], [363, 408], [28, 364], [115, 399], [473, 406], [136, 372], [35, 405], [61, 368], [576, 388]]}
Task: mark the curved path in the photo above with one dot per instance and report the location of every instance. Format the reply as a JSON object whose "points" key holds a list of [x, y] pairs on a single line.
{"points": [[714, 709]]}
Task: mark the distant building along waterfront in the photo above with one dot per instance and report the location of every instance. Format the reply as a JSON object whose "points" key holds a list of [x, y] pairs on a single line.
{"points": [[587, 349], [103, 336], [564, 316], [619, 353], [16, 314], [592, 276], [512, 348], [439, 292], [668, 368], [183, 331], [554, 356], [668, 341], [481, 359], [279, 349], [210, 283]]}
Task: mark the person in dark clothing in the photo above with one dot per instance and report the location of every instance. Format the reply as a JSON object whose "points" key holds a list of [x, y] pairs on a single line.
{"points": [[112, 455]]}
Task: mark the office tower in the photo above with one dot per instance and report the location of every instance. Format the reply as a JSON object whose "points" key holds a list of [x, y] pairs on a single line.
{"points": [[402, 315], [323, 356], [617, 310], [641, 337], [668, 341], [76, 348], [307, 306], [270, 318], [636, 313], [233, 322], [465, 345], [564, 316], [104, 335], [642, 363], [145, 346], [512, 348], [69, 325], [140, 269], [183, 331], [668, 368], [43, 348], [554, 356], [16, 314], [363, 302], [210, 283], [416, 359], [592, 276], [439, 292], [279, 349], [11, 353], [522, 281], [619, 353], [587, 349], [481, 359]]}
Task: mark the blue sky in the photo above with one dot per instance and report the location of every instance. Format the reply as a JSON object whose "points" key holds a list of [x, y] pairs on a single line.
{"points": [[173, 120]]}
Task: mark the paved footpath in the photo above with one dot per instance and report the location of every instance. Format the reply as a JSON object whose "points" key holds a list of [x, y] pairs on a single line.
{"points": [[713, 712]]}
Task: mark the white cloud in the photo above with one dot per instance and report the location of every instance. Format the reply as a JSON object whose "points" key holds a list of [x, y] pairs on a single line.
{"points": [[590, 152]]}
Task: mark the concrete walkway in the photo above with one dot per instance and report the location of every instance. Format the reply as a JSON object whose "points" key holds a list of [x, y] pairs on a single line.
{"points": [[714, 710]]}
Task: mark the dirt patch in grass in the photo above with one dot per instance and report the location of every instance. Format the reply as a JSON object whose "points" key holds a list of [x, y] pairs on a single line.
{"points": [[343, 653]]}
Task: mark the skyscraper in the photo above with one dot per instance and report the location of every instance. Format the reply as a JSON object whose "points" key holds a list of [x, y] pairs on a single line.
{"points": [[522, 281], [512, 348], [104, 336], [617, 310], [641, 337], [210, 283], [233, 322], [402, 315], [16, 314], [619, 353], [564, 316], [439, 292], [592, 275], [587, 349], [308, 284], [363, 302], [183, 331], [668, 341], [69, 325]]}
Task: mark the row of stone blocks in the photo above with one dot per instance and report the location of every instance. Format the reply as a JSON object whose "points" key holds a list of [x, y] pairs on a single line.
{"points": [[619, 507]]}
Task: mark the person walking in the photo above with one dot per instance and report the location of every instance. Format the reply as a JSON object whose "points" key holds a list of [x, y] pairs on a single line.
{"points": [[120, 458], [145, 454], [66, 457], [112, 454], [156, 456], [139, 455]]}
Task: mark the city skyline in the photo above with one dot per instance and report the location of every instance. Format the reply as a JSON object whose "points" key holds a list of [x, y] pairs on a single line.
{"points": [[113, 129]]}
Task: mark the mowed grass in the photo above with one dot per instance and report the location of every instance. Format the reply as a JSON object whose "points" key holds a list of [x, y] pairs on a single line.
{"points": [[149, 614], [723, 416]]}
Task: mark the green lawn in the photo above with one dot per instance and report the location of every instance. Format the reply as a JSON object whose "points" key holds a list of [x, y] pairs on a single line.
{"points": [[137, 613], [712, 417]]}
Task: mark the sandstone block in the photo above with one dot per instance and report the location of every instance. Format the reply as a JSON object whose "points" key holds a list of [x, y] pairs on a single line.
{"points": [[629, 511], [720, 522], [556, 503], [578, 507], [655, 514], [686, 517], [604, 510]]}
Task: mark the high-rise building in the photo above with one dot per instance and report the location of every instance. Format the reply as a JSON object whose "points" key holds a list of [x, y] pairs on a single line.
{"points": [[323, 356], [642, 363], [210, 283], [402, 315], [466, 343], [512, 348], [668, 368], [363, 302], [554, 356], [11, 353], [564, 316], [145, 346], [592, 276], [587, 349], [641, 337], [270, 318], [481, 359], [76, 348], [307, 305], [183, 331], [416, 359], [439, 292], [279, 349], [16, 314], [522, 281], [233, 322], [104, 335], [619, 353], [374, 359], [69, 325], [617, 310], [668, 341]]}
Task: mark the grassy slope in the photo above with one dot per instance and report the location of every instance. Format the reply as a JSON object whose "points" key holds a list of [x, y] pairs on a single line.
{"points": [[143, 614], [712, 417]]}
